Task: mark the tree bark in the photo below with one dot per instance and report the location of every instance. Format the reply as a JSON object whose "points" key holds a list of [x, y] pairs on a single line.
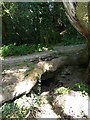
{"points": [[88, 80], [88, 77], [71, 7]]}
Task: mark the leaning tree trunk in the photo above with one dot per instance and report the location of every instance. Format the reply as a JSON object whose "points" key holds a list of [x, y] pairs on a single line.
{"points": [[88, 79], [72, 11], [13, 88], [89, 41]]}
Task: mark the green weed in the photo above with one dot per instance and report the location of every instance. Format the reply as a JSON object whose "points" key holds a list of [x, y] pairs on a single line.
{"points": [[62, 90], [81, 87]]}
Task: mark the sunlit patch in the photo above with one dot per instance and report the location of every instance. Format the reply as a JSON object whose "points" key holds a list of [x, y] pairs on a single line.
{"points": [[23, 102], [73, 104], [45, 93], [21, 87], [36, 74], [85, 18], [1, 58], [48, 112], [45, 48], [22, 70], [1, 98], [13, 74], [47, 67], [8, 71], [13, 70]]}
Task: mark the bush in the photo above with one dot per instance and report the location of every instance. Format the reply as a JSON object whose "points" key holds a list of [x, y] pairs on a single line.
{"points": [[12, 49]]}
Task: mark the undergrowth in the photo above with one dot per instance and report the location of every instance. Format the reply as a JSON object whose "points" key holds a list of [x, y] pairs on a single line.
{"points": [[21, 107], [81, 86], [13, 50]]}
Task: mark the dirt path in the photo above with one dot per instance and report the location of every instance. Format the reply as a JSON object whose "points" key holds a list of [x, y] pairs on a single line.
{"points": [[16, 61]]}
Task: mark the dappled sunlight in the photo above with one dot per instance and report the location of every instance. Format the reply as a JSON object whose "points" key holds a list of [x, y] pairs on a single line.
{"points": [[48, 112], [15, 70], [14, 110], [1, 58], [64, 95], [1, 97], [13, 75], [42, 77], [85, 18], [73, 104], [13, 83], [23, 87], [46, 108], [46, 66], [76, 106], [58, 100], [23, 102]]}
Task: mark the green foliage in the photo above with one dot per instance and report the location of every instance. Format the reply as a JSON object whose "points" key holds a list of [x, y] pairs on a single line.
{"points": [[72, 37], [12, 49], [11, 110], [35, 23], [62, 90], [32, 23], [73, 41], [81, 86], [20, 107]]}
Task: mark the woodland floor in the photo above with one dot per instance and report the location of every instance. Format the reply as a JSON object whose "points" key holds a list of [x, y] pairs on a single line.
{"points": [[64, 96], [65, 99]]}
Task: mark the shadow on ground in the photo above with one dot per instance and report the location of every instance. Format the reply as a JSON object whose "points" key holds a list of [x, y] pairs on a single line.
{"points": [[66, 89]]}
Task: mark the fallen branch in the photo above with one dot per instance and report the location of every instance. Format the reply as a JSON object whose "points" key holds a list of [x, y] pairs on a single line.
{"points": [[11, 91]]}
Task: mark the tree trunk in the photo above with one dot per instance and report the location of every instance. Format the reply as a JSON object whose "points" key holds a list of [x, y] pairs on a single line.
{"points": [[88, 43], [71, 12], [88, 78]]}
